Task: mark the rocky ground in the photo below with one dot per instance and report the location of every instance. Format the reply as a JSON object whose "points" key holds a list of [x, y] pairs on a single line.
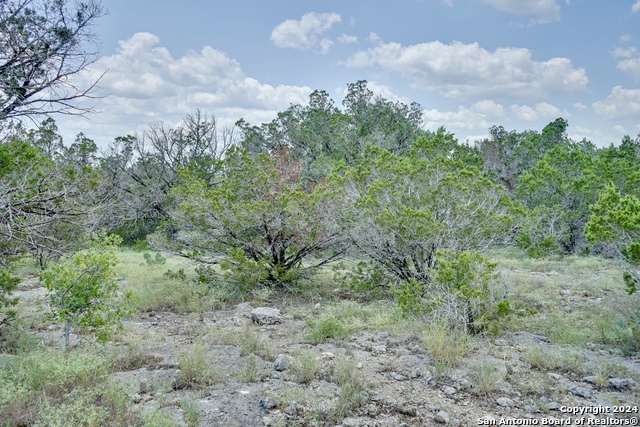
{"points": [[262, 370]]}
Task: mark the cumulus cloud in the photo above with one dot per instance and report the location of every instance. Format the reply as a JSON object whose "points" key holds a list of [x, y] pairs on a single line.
{"points": [[541, 110], [636, 7], [470, 71], [146, 84], [545, 11], [347, 39], [477, 116], [305, 33], [628, 60], [620, 104]]}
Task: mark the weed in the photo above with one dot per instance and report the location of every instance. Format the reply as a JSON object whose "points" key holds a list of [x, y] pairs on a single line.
{"points": [[55, 388], [352, 389], [191, 414], [447, 346], [304, 367], [550, 359], [195, 368], [485, 376], [251, 372]]}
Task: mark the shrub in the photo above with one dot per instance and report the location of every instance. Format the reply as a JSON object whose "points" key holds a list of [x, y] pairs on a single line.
{"points": [[83, 289], [458, 292]]}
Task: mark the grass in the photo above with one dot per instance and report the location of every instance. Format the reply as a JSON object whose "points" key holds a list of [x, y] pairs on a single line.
{"points": [[304, 367], [251, 372], [553, 359], [446, 346], [62, 388], [196, 368], [249, 342], [154, 290], [577, 299], [339, 320], [353, 393], [191, 413], [485, 376]]}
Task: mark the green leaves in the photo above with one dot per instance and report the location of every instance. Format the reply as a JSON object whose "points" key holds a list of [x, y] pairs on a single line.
{"points": [[83, 290], [399, 210], [259, 220], [615, 224]]}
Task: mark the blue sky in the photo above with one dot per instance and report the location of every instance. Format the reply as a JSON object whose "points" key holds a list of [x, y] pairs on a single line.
{"points": [[471, 64]]}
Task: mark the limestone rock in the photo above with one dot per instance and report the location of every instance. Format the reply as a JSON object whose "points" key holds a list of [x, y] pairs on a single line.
{"points": [[266, 316], [281, 363]]}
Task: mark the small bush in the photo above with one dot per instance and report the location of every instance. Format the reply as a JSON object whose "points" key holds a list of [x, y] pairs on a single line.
{"points": [[324, 329], [485, 376], [84, 292], [196, 368], [458, 291], [368, 278], [54, 388], [353, 393], [447, 346], [305, 367], [158, 259], [550, 359]]}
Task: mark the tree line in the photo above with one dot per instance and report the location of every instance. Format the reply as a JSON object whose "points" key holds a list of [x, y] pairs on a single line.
{"points": [[267, 205], [271, 203]]}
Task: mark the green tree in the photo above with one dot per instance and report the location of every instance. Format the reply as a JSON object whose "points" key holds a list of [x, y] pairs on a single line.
{"points": [[615, 224], [45, 43], [141, 171], [319, 134], [259, 220], [83, 290], [400, 210], [507, 155], [565, 183], [620, 166], [45, 205]]}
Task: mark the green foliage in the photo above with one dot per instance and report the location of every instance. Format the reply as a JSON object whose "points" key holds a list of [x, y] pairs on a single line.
{"points": [[368, 278], [196, 369], [8, 284], [83, 290], [615, 224], [400, 210], [246, 273], [543, 231], [54, 388], [457, 292], [157, 260], [507, 155], [322, 329], [565, 183], [259, 219]]}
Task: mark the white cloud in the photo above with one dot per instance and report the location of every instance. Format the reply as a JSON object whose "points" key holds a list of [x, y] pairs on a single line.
{"points": [[477, 116], [469, 71], [630, 62], [580, 106], [621, 52], [620, 129], [347, 39], [621, 103], [306, 33], [147, 84], [541, 110], [631, 66], [545, 11], [636, 7]]}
